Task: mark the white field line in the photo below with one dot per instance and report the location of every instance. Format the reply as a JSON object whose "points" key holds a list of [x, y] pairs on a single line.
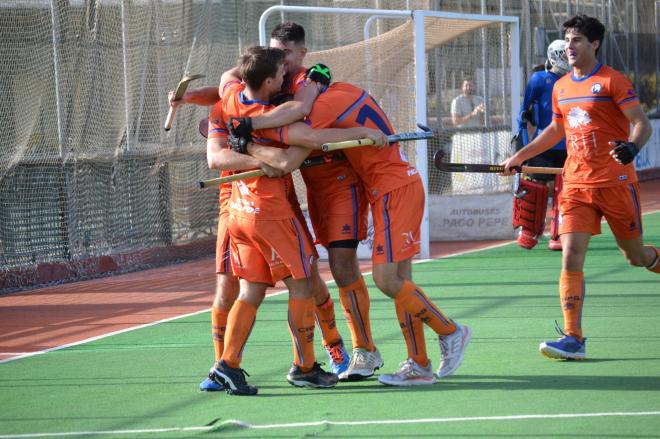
{"points": [[20, 355], [246, 425]]}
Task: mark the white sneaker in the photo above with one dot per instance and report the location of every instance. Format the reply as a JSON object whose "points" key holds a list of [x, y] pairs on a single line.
{"points": [[363, 365], [409, 374], [452, 349]]}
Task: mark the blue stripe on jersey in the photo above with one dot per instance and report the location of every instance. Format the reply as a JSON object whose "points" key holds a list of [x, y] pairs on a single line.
{"points": [[218, 130], [631, 98], [593, 72], [388, 238], [301, 244], [352, 107], [638, 213], [244, 100], [585, 99]]}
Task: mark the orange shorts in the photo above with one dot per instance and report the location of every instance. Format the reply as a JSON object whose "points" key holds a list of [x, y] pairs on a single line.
{"points": [[222, 248], [267, 251], [581, 210], [300, 216], [340, 215], [397, 219]]}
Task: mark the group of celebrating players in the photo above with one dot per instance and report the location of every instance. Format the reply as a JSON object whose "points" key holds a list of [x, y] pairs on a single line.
{"points": [[268, 101]]}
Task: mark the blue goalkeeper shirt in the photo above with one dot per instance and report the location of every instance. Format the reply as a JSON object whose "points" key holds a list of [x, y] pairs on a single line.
{"points": [[538, 96]]}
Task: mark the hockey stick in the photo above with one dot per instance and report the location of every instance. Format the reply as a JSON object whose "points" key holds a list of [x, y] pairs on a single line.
{"points": [[178, 94], [491, 169], [426, 133], [308, 162]]}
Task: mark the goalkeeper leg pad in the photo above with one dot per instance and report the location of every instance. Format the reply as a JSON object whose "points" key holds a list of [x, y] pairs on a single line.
{"points": [[529, 209]]}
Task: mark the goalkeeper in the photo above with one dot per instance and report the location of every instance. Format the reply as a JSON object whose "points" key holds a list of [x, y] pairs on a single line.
{"points": [[531, 196]]}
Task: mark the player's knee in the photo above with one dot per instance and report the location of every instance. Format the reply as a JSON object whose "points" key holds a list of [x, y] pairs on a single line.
{"points": [[386, 283]]}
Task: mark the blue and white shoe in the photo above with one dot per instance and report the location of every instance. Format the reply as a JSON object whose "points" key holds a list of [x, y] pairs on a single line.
{"points": [[567, 347], [208, 385], [338, 357]]}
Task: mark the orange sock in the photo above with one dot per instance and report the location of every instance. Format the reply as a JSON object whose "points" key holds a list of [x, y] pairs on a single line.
{"points": [[325, 319], [412, 299], [571, 295], [655, 265], [355, 303], [218, 328], [413, 332], [240, 322], [301, 327]]}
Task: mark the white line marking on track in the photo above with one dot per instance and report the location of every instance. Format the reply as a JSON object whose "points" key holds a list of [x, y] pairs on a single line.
{"points": [[246, 425]]}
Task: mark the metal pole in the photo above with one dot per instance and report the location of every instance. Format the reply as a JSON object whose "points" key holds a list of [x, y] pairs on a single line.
{"points": [[484, 62], [124, 46], [657, 57], [61, 129], [421, 116]]}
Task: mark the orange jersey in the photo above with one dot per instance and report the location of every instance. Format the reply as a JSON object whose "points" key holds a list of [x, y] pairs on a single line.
{"points": [[218, 130], [261, 197], [343, 105], [591, 111]]}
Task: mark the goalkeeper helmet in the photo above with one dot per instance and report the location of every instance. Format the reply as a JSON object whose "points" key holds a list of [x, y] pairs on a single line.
{"points": [[557, 56]]}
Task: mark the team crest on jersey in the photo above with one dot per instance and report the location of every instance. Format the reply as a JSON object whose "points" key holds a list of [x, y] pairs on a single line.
{"points": [[596, 88], [578, 117]]}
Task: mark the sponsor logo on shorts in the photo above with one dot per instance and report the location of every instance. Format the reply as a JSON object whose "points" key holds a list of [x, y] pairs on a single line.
{"points": [[632, 226], [561, 218], [345, 229], [408, 239], [379, 249]]}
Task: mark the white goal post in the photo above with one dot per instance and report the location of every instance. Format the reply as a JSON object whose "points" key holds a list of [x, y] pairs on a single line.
{"points": [[424, 38]]}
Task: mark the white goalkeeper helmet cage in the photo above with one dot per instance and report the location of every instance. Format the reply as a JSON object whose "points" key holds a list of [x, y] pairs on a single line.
{"points": [[557, 56]]}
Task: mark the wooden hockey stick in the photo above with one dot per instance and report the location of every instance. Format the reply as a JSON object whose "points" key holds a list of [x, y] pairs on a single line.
{"points": [[308, 162], [178, 94], [426, 133], [491, 169]]}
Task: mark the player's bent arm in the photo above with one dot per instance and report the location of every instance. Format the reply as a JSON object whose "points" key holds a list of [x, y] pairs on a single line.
{"points": [[291, 111], [220, 156], [284, 159], [302, 134], [549, 137], [641, 127]]}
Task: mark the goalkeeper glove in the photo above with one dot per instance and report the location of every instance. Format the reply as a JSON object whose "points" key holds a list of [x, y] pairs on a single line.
{"points": [[238, 144], [319, 73], [624, 152]]}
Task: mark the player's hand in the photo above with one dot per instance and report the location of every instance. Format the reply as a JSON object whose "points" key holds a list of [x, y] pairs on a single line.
{"points": [[241, 127], [623, 152], [172, 102], [511, 165], [379, 138], [270, 171], [238, 144], [319, 73]]}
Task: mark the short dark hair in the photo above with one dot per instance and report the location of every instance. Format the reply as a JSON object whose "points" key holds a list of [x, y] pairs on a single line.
{"points": [[259, 63], [590, 27], [289, 31]]}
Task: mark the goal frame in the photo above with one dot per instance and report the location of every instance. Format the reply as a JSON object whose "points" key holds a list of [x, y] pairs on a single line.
{"points": [[421, 97]]}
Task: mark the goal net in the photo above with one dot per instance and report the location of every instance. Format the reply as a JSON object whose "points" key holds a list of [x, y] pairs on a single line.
{"points": [[376, 50]]}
